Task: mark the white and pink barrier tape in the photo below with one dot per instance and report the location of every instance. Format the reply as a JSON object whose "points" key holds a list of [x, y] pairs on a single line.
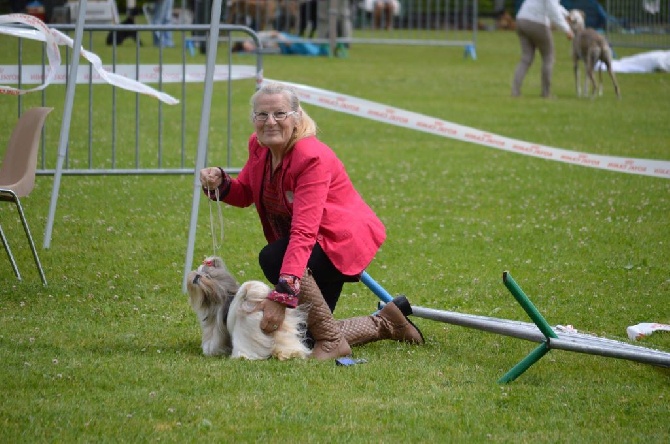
{"points": [[408, 119], [53, 38], [33, 74]]}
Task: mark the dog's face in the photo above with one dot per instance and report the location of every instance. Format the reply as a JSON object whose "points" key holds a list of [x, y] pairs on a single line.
{"points": [[576, 18], [210, 286]]}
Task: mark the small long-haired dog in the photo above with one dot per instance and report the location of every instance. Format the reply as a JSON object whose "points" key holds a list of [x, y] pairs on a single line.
{"points": [[589, 47], [230, 319]]}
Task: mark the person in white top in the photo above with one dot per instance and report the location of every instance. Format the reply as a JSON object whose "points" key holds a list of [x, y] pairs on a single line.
{"points": [[533, 26]]}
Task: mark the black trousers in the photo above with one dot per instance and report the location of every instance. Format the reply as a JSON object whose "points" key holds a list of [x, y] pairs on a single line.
{"points": [[328, 278]]}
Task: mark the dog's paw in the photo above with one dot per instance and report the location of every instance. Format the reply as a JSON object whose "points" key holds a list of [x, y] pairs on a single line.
{"points": [[210, 349]]}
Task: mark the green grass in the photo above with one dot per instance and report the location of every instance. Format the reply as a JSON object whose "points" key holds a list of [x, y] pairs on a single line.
{"points": [[109, 351]]}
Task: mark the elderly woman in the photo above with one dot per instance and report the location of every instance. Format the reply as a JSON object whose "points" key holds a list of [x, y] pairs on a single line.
{"points": [[320, 232]]}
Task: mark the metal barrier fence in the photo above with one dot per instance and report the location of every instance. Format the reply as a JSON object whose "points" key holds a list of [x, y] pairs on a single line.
{"points": [[639, 23], [116, 132], [404, 22], [137, 133], [94, 141]]}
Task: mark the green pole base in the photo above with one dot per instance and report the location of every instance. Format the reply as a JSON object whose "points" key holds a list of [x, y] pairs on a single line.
{"points": [[538, 319], [525, 363]]}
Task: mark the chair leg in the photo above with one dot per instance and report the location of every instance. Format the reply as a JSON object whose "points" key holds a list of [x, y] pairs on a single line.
{"points": [[9, 253], [30, 240]]}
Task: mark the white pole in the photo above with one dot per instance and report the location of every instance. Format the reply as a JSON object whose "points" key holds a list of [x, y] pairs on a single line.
{"points": [[212, 46], [67, 118]]}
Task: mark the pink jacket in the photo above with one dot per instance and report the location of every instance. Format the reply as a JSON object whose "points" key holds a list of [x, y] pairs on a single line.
{"points": [[324, 205]]}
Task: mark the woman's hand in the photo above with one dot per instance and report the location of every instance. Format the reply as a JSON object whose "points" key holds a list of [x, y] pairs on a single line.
{"points": [[211, 178], [273, 315]]}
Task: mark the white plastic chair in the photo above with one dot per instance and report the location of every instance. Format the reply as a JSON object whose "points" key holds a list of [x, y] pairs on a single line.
{"points": [[17, 173]]}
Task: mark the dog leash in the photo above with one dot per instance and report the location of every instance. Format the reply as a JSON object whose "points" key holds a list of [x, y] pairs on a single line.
{"points": [[215, 246]]}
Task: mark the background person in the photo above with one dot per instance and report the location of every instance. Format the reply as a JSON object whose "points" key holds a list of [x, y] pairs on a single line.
{"points": [[344, 27], [163, 16], [320, 231], [282, 43], [533, 26]]}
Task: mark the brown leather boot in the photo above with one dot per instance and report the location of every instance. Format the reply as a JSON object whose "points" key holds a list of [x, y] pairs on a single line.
{"points": [[389, 323], [329, 343]]}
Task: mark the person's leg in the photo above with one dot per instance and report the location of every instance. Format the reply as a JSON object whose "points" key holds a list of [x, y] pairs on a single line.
{"points": [[346, 25], [324, 282], [201, 16], [156, 20], [545, 44], [329, 339], [389, 323], [327, 277], [345, 28], [524, 30], [320, 288], [312, 9], [167, 40], [377, 15], [388, 15], [270, 259], [162, 16], [302, 18], [322, 13]]}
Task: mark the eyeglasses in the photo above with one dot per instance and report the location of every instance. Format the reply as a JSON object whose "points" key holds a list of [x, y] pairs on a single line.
{"points": [[277, 115]]}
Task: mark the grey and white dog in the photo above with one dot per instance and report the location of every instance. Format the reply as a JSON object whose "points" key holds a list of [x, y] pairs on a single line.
{"points": [[230, 317], [590, 47]]}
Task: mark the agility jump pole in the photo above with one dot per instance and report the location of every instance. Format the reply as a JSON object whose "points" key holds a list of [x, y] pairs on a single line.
{"points": [[539, 331]]}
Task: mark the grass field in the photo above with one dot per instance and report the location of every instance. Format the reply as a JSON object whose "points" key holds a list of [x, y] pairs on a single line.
{"points": [[109, 351]]}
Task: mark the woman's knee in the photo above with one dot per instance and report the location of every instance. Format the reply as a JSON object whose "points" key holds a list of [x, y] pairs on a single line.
{"points": [[270, 260]]}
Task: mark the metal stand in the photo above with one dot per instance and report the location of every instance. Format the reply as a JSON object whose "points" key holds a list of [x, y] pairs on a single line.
{"points": [[539, 320], [538, 331]]}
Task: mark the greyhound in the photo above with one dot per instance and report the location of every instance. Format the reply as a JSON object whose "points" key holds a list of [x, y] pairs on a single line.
{"points": [[589, 47]]}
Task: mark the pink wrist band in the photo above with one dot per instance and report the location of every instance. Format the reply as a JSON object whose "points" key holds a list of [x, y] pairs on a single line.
{"points": [[283, 298]]}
